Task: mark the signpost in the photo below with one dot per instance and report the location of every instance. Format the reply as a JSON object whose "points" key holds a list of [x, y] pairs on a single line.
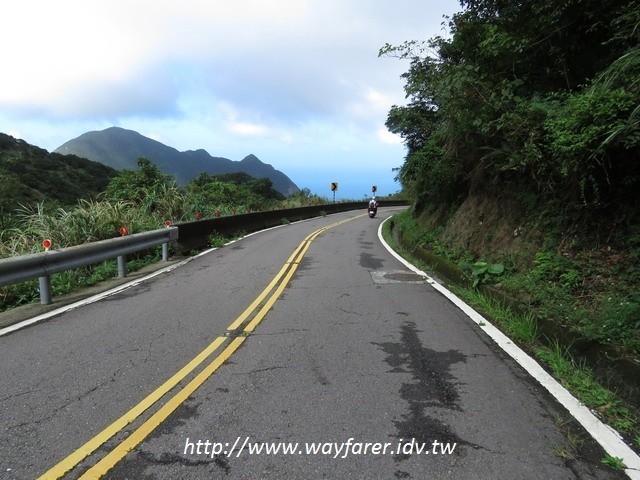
{"points": [[334, 188]]}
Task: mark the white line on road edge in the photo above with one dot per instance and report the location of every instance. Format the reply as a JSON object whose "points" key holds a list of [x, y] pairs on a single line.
{"points": [[113, 291], [92, 299], [607, 437]]}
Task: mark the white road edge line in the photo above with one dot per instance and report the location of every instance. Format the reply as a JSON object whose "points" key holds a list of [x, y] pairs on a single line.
{"points": [[607, 437], [118, 289]]}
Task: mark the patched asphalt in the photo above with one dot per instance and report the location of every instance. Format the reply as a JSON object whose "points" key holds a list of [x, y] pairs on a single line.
{"points": [[355, 348]]}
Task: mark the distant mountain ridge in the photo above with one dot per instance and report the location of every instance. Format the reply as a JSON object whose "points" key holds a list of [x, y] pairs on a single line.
{"points": [[119, 148]]}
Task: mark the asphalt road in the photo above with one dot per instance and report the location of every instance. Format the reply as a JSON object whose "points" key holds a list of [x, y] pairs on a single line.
{"points": [[383, 375]]}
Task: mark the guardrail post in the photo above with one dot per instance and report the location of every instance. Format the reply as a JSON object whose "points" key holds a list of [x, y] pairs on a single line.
{"points": [[122, 269], [165, 252], [45, 290]]}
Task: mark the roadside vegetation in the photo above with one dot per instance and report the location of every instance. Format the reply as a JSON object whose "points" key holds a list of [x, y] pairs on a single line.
{"points": [[523, 168], [29, 175], [591, 297], [522, 323], [138, 200]]}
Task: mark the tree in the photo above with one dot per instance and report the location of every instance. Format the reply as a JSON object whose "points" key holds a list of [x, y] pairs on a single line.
{"points": [[138, 185], [537, 97]]}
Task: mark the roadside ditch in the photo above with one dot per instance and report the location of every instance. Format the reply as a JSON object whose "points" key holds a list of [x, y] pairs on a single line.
{"points": [[618, 375]]}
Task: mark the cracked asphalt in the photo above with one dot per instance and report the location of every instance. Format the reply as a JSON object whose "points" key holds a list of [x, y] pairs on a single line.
{"points": [[341, 355]]}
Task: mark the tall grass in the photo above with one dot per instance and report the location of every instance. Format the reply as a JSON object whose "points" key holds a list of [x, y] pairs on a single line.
{"points": [[89, 221], [580, 380], [520, 326], [93, 220]]}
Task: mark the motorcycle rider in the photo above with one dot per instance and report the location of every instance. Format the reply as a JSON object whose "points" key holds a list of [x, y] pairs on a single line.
{"points": [[373, 205]]}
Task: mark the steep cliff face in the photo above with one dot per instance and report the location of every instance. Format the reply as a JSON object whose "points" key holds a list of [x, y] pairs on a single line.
{"points": [[491, 228]]}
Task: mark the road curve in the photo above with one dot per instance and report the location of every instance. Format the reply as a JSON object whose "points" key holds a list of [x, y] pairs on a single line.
{"points": [[308, 338]]}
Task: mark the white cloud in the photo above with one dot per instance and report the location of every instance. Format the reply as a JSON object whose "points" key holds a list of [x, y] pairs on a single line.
{"points": [[249, 129], [154, 136], [290, 78], [385, 136], [379, 100], [59, 46], [286, 138]]}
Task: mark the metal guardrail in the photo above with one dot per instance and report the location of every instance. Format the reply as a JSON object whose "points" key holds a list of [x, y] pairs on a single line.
{"points": [[190, 236], [42, 265]]}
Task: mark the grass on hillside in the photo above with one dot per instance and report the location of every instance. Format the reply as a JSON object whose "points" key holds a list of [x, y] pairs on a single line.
{"points": [[594, 293]]}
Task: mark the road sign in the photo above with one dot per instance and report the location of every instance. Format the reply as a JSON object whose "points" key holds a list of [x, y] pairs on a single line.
{"points": [[374, 189], [123, 231], [46, 243], [167, 223], [334, 189]]}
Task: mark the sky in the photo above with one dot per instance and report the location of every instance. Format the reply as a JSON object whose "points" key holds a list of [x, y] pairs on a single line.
{"points": [[298, 83]]}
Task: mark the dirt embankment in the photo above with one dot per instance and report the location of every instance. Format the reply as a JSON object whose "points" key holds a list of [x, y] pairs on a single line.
{"points": [[493, 227]]}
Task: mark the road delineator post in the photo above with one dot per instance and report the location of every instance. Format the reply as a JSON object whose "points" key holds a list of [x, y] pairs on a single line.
{"points": [[44, 282], [165, 246]]}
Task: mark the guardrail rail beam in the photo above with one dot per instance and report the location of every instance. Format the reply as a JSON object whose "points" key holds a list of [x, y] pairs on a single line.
{"points": [[42, 265]]}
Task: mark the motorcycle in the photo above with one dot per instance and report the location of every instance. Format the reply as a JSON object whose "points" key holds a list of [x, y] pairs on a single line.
{"points": [[372, 210]]}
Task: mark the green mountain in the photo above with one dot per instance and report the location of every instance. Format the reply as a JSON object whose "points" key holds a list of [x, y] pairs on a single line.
{"points": [[119, 148], [29, 174]]}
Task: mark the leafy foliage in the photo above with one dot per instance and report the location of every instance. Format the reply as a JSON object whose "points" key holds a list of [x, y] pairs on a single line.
{"points": [[536, 104], [139, 200], [483, 271], [29, 174], [205, 196], [542, 96], [237, 189]]}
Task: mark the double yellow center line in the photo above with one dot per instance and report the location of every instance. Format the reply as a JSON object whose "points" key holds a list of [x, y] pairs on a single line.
{"points": [[278, 283]]}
